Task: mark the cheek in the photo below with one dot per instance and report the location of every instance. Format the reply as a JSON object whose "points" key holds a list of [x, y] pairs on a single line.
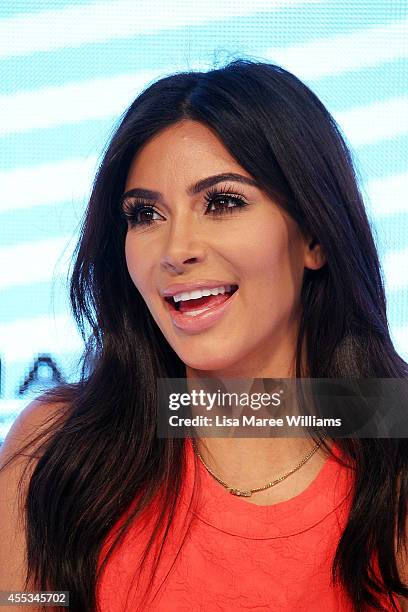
{"points": [[265, 256], [273, 270]]}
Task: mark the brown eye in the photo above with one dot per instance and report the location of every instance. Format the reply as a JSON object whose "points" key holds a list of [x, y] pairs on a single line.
{"points": [[140, 214], [224, 202]]}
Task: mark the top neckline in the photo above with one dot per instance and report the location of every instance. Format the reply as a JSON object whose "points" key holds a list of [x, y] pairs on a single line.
{"points": [[234, 515]]}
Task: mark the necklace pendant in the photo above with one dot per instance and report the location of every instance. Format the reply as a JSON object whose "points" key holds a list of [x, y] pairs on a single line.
{"points": [[240, 493]]}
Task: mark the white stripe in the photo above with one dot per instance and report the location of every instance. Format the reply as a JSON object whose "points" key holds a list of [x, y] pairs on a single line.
{"points": [[388, 195], [42, 261], [396, 269], [338, 54], [102, 21], [67, 181], [34, 262], [375, 122], [25, 338], [54, 106], [11, 409], [399, 336], [4, 429], [51, 106], [12, 406], [70, 182]]}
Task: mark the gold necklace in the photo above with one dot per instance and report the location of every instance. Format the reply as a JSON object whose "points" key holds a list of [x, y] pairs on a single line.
{"points": [[249, 492]]}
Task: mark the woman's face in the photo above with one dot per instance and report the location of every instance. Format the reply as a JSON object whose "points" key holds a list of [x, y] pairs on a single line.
{"points": [[253, 245]]}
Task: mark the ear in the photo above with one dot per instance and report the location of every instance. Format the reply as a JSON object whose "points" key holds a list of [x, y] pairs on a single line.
{"points": [[314, 255]]}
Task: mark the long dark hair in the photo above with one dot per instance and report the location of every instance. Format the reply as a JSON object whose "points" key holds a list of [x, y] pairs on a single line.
{"points": [[104, 451]]}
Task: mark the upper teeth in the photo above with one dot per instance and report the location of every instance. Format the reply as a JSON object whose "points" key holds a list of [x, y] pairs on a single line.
{"points": [[197, 293]]}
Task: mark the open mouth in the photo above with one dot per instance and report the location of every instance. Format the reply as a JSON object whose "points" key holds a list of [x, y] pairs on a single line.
{"points": [[208, 301]]}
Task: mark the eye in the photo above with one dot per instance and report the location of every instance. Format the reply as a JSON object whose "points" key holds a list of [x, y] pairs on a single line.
{"points": [[219, 201], [139, 214], [225, 201]]}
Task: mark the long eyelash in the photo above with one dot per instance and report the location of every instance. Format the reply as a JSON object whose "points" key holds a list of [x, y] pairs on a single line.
{"points": [[132, 206], [232, 193]]}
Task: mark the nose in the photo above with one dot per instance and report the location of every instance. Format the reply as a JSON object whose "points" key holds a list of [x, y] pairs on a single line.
{"points": [[183, 246]]}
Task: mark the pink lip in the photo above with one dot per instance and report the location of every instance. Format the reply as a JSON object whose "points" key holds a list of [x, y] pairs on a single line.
{"points": [[201, 284], [202, 321]]}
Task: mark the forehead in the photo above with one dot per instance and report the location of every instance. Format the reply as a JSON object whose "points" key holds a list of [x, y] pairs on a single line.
{"points": [[184, 151]]}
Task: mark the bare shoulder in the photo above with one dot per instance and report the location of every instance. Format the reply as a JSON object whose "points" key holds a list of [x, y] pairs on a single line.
{"points": [[16, 468], [31, 426]]}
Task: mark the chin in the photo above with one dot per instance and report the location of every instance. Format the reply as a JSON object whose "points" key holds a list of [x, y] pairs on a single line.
{"points": [[209, 363]]}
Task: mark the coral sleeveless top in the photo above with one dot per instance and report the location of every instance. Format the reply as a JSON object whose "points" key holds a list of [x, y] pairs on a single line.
{"points": [[237, 555]]}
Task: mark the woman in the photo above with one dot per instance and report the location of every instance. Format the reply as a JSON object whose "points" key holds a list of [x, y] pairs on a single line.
{"points": [[237, 178]]}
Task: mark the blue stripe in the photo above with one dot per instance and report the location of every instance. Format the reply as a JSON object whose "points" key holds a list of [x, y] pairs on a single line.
{"points": [[374, 160], [55, 220], [54, 144], [13, 303], [392, 232], [345, 91], [380, 159], [40, 223], [15, 8], [251, 34], [397, 308]]}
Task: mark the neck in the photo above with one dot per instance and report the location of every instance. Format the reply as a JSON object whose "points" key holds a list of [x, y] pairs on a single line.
{"points": [[247, 463], [251, 463]]}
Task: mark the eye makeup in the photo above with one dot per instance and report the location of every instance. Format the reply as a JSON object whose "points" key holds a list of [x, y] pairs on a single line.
{"points": [[227, 200]]}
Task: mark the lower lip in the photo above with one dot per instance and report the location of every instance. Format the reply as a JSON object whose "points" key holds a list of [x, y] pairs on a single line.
{"points": [[191, 323]]}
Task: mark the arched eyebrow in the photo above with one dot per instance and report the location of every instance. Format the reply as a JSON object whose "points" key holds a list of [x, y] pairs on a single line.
{"points": [[218, 178], [197, 187]]}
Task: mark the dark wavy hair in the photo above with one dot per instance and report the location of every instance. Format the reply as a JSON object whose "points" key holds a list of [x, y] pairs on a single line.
{"points": [[103, 450]]}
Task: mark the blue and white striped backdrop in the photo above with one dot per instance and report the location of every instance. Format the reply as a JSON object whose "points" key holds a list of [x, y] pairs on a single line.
{"points": [[69, 69]]}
